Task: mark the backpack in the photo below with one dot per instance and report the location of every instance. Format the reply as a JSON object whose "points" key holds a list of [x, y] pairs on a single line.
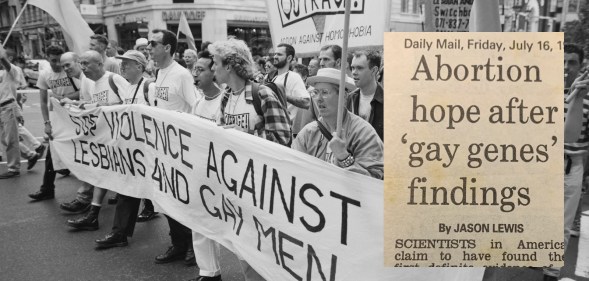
{"points": [[114, 87], [257, 102], [279, 91]]}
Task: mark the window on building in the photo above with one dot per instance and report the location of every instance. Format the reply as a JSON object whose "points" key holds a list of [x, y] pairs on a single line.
{"points": [[257, 38], [410, 6], [183, 1]]}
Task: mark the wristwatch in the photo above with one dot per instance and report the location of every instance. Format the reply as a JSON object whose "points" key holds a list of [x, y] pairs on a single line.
{"points": [[347, 162], [48, 122]]}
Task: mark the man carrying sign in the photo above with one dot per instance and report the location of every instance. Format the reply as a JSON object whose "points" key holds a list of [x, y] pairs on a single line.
{"points": [[233, 65], [359, 149], [206, 251], [103, 91]]}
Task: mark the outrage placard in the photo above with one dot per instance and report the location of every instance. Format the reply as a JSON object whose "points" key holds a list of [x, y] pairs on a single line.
{"points": [[308, 24], [290, 215], [474, 149]]}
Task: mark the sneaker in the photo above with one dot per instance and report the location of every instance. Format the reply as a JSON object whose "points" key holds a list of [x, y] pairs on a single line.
{"points": [[112, 240], [40, 150], [42, 195], [576, 229], [75, 207], [32, 161], [9, 174]]}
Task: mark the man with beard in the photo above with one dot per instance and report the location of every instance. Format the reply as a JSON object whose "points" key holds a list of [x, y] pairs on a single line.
{"points": [[294, 87]]}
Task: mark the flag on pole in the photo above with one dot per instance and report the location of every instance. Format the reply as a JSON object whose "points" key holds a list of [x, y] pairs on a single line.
{"points": [[76, 30], [484, 16], [185, 28]]}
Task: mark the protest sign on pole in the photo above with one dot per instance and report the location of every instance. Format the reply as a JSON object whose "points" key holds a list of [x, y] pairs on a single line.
{"points": [[474, 149], [307, 25]]}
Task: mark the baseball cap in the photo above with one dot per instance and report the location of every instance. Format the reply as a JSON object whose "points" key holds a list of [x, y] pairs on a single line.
{"points": [[135, 56]]}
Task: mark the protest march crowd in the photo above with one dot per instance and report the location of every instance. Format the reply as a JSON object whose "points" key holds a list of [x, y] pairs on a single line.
{"points": [[272, 97]]}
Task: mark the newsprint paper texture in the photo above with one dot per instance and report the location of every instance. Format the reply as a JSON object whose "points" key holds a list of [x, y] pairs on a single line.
{"points": [[473, 149]]}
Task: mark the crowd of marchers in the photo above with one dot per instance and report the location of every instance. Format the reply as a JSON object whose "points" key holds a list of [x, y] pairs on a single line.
{"points": [[285, 101]]}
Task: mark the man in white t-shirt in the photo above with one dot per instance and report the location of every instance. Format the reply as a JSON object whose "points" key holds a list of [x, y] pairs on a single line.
{"points": [[173, 90], [132, 67], [62, 87], [103, 91], [9, 115], [294, 87], [207, 251], [99, 43]]}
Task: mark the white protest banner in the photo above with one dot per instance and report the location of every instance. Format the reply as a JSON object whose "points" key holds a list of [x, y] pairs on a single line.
{"points": [[309, 24], [291, 216], [474, 149], [447, 15]]}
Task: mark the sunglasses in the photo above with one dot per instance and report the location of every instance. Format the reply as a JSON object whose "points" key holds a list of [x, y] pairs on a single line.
{"points": [[154, 43]]}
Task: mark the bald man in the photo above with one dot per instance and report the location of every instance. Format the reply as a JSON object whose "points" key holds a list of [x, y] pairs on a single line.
{"points": [[99, 93]]}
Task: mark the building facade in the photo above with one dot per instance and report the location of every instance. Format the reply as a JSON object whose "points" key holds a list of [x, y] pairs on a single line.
{"points": [[209, 20]]}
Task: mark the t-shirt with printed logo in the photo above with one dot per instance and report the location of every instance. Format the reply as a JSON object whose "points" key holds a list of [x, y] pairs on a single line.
{"points": [[173, 89], [58, 82], [100, 92], [134, 94]]}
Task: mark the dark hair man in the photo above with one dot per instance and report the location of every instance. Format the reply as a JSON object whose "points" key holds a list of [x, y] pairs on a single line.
{"points": [[173, 90], [330, 56], [99, 43], [367, 100], [294, 87], [207, 251], [62, 87]]}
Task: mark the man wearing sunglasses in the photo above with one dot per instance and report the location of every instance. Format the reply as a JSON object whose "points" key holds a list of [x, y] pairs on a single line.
{"points": [[174, 90]]}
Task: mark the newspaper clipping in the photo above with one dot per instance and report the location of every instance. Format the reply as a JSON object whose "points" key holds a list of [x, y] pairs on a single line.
{"points": [[473, 151]]}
